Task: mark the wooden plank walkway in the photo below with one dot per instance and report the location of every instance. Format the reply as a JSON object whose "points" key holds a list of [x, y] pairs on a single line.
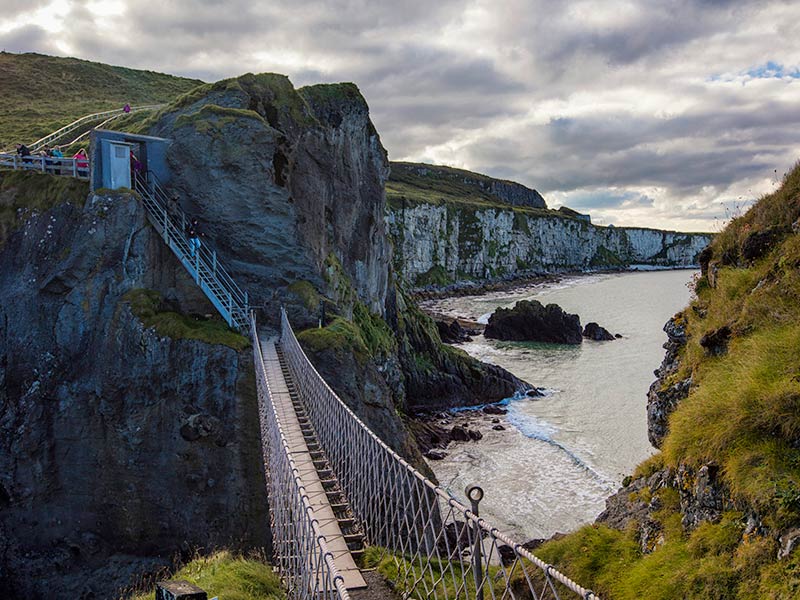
{"points": [[308, 474]]}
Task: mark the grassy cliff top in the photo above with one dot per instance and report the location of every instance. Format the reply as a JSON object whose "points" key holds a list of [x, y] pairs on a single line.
{"points": [[442, 185], [741, 418], [42, 93]]}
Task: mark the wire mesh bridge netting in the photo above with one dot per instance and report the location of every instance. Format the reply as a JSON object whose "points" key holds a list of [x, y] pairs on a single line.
{"points": [[423, 540], [303, 558]]}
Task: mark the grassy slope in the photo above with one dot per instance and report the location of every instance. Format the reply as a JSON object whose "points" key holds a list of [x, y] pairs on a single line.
{"points": [[229, 577], [743, 414], [42, 93], [444, 185]]}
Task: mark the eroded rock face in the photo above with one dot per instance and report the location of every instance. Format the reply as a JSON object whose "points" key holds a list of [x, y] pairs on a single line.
{"points": [[661, 399], [118, 447], [529, 320], [282, 178]]}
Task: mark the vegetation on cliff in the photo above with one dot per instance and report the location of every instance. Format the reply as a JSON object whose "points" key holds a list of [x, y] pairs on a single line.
{"points": [[410, 184], [717, 513], [42, 93], [150, 308], [228, 576], [24, 194]]}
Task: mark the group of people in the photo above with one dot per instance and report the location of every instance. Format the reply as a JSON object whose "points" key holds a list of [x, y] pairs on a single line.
{"points": [[55, 153]]}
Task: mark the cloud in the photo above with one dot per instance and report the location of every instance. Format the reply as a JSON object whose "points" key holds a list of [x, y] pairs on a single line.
{"points": [[26, 37], [646, 112]]}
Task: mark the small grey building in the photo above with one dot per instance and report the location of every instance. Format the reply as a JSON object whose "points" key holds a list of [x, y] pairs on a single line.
{"points": [[112, 155]]}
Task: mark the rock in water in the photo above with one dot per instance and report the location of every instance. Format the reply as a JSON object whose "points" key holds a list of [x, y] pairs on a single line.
{"points": [[452, 333], [529, 320], [593, 331]]}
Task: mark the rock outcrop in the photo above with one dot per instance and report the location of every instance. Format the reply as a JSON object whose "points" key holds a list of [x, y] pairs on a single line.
{"points": [[281, 179], [664, 396], [529, 320], [508, 192], [593, 331], [118, 447]]}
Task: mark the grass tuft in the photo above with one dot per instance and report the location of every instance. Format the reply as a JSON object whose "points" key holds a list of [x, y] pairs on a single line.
{"points": [[149, 308], [229, 577]]}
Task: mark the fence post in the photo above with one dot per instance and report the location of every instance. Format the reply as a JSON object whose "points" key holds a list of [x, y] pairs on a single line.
{"points": [[44, 168], [475, 495], [15, 162], [214, 262], [230, 309], [74, 167]]}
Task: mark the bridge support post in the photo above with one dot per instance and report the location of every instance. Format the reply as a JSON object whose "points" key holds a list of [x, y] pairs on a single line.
{"points": [[475, 495]]}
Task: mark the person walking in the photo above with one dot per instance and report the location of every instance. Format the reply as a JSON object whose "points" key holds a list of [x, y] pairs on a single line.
{"points": [[57, 156], [193, 233]]}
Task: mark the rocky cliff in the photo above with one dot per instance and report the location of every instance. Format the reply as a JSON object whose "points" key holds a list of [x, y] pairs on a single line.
{"points": [[128, 426], [446, 242], [290, 186], [120, 443]]}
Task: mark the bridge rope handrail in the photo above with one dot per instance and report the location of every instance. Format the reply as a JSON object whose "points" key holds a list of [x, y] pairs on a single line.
{"points": [[425, 528], [304, 560]]}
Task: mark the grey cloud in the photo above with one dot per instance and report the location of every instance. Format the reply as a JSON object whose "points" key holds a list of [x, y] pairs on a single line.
{"points": [[27, 38], [431, 85]]}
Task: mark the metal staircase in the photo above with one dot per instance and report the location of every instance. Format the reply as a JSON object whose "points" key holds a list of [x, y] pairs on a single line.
{"points": [[201, 263]]}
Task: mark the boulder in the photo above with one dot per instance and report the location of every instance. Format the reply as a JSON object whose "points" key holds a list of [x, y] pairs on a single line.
{"points": [[459, 434], [498, 428], [593, 331], [493, 409], [529, 320], [435, 454], [452, 332]]}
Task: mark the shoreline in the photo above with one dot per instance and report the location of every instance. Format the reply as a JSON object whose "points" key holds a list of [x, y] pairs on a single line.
{"points": [[480, 288]]}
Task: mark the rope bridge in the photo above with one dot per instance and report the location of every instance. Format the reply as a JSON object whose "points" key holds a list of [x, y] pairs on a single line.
{"points": [[430, 544]]}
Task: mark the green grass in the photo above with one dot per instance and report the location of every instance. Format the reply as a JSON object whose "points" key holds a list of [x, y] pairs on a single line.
{"points": [[742, 415], [366, 336], [43, 93], [23, 193], [438, 578], [147, 306], [229, 577]]}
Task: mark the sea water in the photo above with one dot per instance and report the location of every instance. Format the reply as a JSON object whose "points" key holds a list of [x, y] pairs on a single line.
{"points": [[562, 455]]}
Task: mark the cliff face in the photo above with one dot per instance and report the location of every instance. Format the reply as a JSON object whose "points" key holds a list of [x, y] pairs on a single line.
{"points": [[118, 446], [281, 179], [445, 243], [290, 186]]}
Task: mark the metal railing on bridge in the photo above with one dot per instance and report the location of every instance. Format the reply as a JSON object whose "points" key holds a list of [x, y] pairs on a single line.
{"points": [[303, 557], [200, 261], [68, 167], [439, 548]]}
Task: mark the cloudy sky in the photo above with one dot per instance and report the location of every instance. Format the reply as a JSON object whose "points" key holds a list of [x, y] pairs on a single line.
{"points": [[658, 113]]}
